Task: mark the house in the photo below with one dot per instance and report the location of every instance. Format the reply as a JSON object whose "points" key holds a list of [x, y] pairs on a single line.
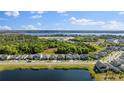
{"points": [[84, 57], [68, 57], [101, 67], [60, 57], [122, 48], [76, 57], [121, 67], [8, 57], [18, 57], [24, 57], [30, 57], [121, 40], [121, 60], [102, 54], [115, 63], [36, 57], [113, 41], [45, 57], [95, 56], [112, 68], [53, 57], [3, 57]]}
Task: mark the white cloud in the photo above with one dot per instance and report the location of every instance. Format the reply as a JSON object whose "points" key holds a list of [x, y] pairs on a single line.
{"points": [[39, 24], [121, 13], [37, 12], [12, 13], [113, 25], [30, 27], [84, 21], [36, 16], [61, 12], [5, 28]]}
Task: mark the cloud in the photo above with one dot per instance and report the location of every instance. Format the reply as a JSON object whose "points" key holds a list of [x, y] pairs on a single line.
{"points": [[30, 27], [5, 27], [12, 13], [84, 21], [37, 12], [113, 25], [36, 16], [61, 12], [121, 13], [39, 24]]}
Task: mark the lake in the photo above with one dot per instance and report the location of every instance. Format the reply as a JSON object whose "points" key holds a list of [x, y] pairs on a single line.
{"points": [[65, 32], [68, 33], [45, 75]]}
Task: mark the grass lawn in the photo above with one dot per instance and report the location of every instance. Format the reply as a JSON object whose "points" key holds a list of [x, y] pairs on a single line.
{"points": [[50, 51]]}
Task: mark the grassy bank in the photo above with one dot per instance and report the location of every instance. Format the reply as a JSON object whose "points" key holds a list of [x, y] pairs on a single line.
{"points": [[45, 66]]}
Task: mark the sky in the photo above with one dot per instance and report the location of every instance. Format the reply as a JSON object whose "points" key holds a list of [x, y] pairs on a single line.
{"points": [[61, 20]]}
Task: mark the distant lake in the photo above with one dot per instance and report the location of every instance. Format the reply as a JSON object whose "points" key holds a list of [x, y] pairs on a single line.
{"points": [[45, 33], [65, 32], [45, 75]]}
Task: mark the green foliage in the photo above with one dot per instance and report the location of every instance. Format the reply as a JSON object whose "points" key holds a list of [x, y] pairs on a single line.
{"points": [[25, 44], [21, 44], [77, 48], [8, 49]]}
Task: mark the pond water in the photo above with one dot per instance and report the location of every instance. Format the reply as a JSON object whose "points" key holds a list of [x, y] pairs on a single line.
{"points": [[45, 75]]}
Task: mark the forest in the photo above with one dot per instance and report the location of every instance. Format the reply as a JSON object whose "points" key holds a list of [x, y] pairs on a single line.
{"points": [[25, 44]]}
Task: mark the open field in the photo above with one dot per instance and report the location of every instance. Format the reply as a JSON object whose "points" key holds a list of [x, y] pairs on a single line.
{"points": [[50, 51], [57, 37]]}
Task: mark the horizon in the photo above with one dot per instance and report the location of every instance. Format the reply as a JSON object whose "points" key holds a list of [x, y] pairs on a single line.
{"points": [[62, 31]]}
